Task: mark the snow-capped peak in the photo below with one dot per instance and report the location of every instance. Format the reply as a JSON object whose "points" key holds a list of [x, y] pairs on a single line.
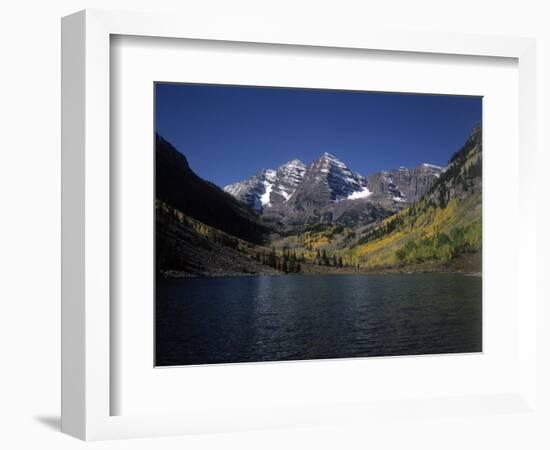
{"points": [[289, 176], [329, 180], [294, 163], [270, 175], [327, 158], [341, 182], [269, 187]]}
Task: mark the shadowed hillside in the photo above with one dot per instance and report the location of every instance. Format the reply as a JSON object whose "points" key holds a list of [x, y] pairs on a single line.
{"points": [[178, 186]]}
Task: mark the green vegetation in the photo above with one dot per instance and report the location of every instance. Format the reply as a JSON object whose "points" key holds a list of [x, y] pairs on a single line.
{"points": [[442, 247], [424, 232], [445, 224], [324, 259], [286, 261]]}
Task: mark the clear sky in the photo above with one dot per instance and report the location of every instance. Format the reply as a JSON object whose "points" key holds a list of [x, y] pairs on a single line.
{"points": [[229, 133]]}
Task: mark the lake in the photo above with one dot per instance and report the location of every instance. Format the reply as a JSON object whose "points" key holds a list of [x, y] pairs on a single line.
{"points": [[274, 318]]}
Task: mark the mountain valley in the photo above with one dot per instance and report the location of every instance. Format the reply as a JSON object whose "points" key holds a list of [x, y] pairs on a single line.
{"points": [[320, 217]]}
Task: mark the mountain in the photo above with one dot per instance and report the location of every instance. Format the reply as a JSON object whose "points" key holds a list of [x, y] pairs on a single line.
{"points": [[321, 217], [178, 186], [269, 187], [326, 183], [327, 191], [388, 192], [328, 180], [255, 191], [442, 228], [404, 184], [464, 174], [287, 179]]}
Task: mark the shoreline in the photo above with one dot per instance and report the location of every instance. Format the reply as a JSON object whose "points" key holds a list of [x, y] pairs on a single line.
{"points": [[466, 264], [470, 265], [394, 271]]}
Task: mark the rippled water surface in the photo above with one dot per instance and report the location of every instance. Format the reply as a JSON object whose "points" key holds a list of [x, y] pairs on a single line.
{"points": [[273, 318]]}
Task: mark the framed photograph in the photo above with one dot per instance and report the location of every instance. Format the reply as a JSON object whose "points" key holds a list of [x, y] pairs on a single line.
{"points": [[245, 261], [266, 228]]}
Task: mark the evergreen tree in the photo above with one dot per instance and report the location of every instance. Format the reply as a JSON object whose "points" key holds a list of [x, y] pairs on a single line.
{"points": [[325, 259], [273, 258]]}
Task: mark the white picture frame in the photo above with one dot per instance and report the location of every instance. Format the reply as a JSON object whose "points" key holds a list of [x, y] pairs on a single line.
{"points": [[86, 246]]}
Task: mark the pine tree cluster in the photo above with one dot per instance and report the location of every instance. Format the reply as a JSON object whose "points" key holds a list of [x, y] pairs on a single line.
{"points": [[287, 261], [324, 259]]}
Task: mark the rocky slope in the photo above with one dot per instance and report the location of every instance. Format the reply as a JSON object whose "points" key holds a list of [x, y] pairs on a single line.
{"points": [[327, 191], [404, 184], [269, 187]]}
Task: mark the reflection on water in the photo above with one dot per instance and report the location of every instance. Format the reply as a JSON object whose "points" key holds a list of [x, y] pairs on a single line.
{"points": [[273, 318]]}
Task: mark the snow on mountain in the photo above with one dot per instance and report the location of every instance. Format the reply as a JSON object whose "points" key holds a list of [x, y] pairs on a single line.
{"points": [[252, 191], [295, 188], [432, 166], [269, 187], [287, 178], [266, 196], [341, 182], [364, 193]]}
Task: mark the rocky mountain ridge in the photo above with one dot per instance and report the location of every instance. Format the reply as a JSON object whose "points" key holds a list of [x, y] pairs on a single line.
{"points": [[327, 190], [268, 187]]}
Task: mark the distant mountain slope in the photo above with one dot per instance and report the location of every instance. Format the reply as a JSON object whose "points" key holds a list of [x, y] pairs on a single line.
{"points": [[178, 186], [389, 192], [327, 191], [269, 187], [328, 180], [255, 191], [446, 223], [324, 181], [404, 184]]}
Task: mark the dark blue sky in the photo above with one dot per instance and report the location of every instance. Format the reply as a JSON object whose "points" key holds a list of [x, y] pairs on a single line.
{"points": [[228, 133]]}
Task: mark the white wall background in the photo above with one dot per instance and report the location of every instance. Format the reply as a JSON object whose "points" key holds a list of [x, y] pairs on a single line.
{"points": [[30, 198]]}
